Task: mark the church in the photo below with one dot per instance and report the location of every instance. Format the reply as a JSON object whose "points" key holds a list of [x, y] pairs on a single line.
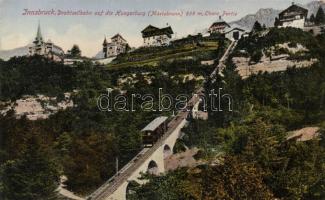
{"points": [[294, 16], [46, 49]]}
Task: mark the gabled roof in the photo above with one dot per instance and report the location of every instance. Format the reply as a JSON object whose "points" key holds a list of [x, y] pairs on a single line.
{"points": [[118, 35], [149, 29], [153, 125], [153, 31], [219, 22], [234, 29], [295, 8], [167, 30]]}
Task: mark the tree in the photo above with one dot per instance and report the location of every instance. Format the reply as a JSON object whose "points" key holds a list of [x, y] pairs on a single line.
{"points": [[256, 56], [300, 172], [312, 18], [320, 16], [257, 27], [75, 51], [276, 22], [33, 176], [91, 160], [233, 178]]}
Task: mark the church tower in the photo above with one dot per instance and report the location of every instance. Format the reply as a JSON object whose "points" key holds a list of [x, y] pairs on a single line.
{"points": [[38, 42], [47, 49], [38, 37], [105, 48]]}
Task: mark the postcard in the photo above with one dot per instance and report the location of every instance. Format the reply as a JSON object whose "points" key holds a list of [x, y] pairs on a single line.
{"points": [[162, 100]]}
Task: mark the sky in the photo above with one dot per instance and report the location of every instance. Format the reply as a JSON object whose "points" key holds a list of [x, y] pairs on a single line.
{"points": [[17, 30]]}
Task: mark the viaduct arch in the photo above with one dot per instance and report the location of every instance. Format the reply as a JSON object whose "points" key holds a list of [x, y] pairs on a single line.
{"points": [[148, 160]]}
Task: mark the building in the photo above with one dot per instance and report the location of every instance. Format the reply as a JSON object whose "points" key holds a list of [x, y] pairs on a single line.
{"points": [[117, 46], [294, 16], [235, 33], [219, 26], [153, 36], [46, 49]]}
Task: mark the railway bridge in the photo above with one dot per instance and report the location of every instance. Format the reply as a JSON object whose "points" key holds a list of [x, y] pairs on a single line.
{"points": [[152, 159], [149, 160]]}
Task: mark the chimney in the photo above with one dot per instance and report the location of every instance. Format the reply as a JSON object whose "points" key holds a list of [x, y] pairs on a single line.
{"points": [[219, 17]]}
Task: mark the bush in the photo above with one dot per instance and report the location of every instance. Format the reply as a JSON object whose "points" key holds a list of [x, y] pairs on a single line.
{"points": [[256, 56], [179, 146], [199, 155]]}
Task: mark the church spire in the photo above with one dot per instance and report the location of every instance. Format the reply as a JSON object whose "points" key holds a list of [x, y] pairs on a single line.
{"points": [[39, 34], [105, 41]]}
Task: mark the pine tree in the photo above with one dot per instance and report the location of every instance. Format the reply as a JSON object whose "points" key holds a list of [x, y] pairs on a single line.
{"points": [[320, 16], [276, 22], [32, 177], [312, 18], [75, 51], [257, 27]]}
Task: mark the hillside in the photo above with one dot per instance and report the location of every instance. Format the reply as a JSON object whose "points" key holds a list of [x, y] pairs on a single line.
{"points": [[194, 48], [82, 126], [275, 50], [241, 119], [252, 146]]}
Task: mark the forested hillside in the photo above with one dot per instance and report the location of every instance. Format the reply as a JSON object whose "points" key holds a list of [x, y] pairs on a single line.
{"points": [[81, 142], [246, 154]]}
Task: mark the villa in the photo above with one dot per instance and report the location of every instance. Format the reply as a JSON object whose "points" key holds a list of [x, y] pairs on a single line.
{"points": [[153, 36], [117, 46], [294, 16], [219, 26]]}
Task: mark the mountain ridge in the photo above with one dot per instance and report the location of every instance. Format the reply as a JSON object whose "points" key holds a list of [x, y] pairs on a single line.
{"points": [[263, 15], [20, 51], [267, 15]]}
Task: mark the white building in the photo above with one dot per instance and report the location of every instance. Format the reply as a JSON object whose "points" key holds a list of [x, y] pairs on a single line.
{"points": [[219, 26], [294, 16], [117, 46], [46, 49], [234, 33], [153, 36]]}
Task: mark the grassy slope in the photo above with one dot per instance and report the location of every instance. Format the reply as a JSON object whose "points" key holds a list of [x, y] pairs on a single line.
{"points": [[153, 59]]}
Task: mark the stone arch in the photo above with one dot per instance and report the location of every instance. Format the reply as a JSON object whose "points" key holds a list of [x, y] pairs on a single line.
{"points": [[130, 189], [153, 168], [167, 151]]}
